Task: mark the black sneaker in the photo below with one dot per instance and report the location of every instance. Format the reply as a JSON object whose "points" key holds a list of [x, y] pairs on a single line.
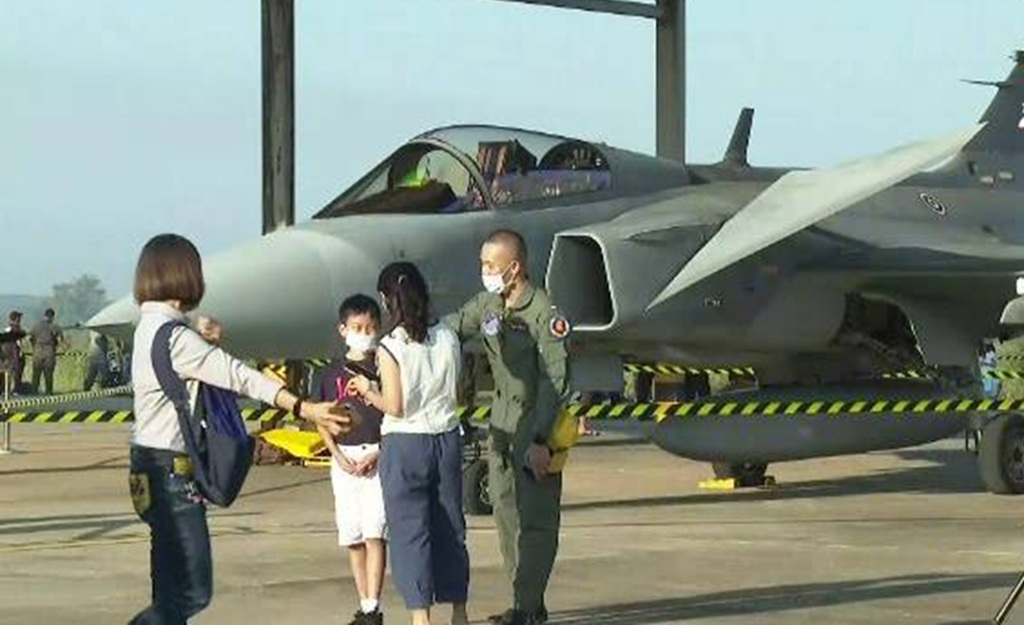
{"points": [[367, 618], [372, 618]]}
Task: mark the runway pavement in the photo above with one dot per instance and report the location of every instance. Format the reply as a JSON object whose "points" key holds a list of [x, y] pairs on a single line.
{"points": [[894, 537]]}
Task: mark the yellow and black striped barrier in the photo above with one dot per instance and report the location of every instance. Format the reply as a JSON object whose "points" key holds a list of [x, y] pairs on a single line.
{"points": [[46, 400], [658, 411], [670, 369], [667, 369]]}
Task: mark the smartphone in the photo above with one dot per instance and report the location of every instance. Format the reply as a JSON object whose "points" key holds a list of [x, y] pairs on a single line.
{"points": [[357, 369]]}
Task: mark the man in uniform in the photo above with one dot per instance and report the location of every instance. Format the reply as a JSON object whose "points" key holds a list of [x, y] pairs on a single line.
{"points": [[46, 336], [12, 360], [523, 336]]}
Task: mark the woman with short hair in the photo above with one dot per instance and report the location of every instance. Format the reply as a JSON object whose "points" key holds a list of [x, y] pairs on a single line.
{"points": [[421, 452], [168, 284]]}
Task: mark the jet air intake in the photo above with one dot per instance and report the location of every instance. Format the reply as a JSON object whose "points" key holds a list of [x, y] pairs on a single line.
{"points": [[605, 275], [577, 273]]}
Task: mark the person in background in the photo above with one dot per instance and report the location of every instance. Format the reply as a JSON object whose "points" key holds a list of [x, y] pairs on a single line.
{"points": [[421, 450], [46, 338], [990, 385], [12, 358], [168, 284], [98, 368], [358, 498]]}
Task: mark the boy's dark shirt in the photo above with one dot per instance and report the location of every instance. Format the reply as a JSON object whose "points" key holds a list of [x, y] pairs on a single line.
{"points": [[334, 376]]}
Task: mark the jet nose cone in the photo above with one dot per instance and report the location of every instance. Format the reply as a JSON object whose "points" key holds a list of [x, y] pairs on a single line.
{"points": [[117, 319], [276, 297]]}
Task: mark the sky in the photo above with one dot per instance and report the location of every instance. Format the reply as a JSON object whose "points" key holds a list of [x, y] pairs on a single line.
{"points": [[122, 119]]}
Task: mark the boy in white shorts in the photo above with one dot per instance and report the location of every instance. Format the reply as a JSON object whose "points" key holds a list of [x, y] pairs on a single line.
{"points": [[358, 499]]}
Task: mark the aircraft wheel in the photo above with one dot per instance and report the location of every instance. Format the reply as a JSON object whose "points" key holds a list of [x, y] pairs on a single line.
{"points": [[1001, 455], [745, 473], [476, 495]]}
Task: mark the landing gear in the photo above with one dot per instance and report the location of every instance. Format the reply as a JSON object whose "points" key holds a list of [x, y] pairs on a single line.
{"points": [[746, 474], [1001, 455]]}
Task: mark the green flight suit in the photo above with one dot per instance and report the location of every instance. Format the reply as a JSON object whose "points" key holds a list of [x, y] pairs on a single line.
{"points": [[526, 350]]}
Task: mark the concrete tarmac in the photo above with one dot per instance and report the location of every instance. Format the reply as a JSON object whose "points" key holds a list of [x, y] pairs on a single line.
{"points": [[889, 537]]}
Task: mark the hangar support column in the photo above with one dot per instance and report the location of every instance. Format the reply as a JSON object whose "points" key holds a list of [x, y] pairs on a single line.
{"points": [[278, 51], [670, 79]]}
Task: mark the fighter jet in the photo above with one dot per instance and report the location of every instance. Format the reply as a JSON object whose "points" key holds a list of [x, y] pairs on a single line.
{"points": [[824, 280]]}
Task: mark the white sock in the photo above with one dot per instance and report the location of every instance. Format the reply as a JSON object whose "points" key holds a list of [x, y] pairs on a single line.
{"points": [[369, 605]]}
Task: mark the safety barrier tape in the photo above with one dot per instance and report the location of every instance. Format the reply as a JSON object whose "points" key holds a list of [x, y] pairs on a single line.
{"points": [[630, 411], [1005, 374], [67, 354], [46, 400], [279, 369], [670, 369]]}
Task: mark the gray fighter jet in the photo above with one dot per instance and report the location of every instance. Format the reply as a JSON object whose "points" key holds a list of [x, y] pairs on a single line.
{"points": [[823, 280]]}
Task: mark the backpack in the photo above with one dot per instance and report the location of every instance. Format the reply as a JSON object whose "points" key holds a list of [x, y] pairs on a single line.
{"points": [[215, 437]]}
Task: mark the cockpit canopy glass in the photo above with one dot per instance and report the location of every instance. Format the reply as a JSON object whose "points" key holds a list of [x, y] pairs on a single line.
{"points": [[467, 168]]}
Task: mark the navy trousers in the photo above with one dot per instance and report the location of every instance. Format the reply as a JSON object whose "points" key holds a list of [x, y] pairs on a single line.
{"points": [[166, 498], [421, 475]]}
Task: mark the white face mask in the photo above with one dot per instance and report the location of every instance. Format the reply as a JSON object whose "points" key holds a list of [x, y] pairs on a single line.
{"points": [[495, 283], [360, 342]]}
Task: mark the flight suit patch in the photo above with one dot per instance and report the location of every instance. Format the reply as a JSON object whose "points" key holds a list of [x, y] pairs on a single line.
{"points": [[560, 327], [491, 325], [142, 498]]}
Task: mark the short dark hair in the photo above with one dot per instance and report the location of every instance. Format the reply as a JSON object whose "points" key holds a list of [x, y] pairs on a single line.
{"points": [[14, 315], [513, 240], [406, 298], [49, 313], [359, 304], [170, 268]]}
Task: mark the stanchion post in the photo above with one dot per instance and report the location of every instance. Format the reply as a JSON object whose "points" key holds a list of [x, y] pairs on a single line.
{"points": [[5, 427]]}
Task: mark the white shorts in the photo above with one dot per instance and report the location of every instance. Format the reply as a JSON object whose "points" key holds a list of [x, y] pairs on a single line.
{"points": [[358, 501]]}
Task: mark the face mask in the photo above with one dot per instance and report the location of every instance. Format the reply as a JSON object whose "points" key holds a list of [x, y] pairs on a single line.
{"points": [[360, 342], [495, 283]]}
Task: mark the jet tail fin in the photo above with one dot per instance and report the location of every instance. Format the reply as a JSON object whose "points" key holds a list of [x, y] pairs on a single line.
{"points": [[736, 153], [1004, 130]]}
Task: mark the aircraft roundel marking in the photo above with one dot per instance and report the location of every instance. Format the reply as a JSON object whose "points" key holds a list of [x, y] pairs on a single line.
{"points": [[933, 203]]}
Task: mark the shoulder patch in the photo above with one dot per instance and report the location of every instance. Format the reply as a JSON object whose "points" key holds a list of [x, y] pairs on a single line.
{"points": [[559, 326]]}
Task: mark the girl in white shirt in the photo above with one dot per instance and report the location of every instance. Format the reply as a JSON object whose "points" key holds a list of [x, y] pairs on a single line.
{"points": [[421, 454], [169, 283]]}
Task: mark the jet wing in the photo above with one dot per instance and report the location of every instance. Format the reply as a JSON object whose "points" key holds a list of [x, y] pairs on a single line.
{"points": [[801, 199], [957, 246]]}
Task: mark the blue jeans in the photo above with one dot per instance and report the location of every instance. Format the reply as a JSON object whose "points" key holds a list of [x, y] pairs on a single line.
{"points": [[421, 475], [181, 568]]}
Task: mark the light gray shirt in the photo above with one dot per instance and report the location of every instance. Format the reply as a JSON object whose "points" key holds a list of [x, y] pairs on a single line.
{"points": [[156, 420]]}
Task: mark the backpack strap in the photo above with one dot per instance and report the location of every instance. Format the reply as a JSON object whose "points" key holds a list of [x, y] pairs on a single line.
{"points": [[172, 386]]}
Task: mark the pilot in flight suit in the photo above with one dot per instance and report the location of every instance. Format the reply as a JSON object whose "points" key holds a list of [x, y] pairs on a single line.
{"points": [[524, 343]]}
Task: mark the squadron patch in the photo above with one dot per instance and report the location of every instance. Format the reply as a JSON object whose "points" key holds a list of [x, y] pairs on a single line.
{"points": [[491, 325], [138, 486], [560, 327]]}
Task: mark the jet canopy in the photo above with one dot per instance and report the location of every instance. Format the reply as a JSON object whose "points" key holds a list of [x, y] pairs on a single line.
{"points": [[471, 168]]}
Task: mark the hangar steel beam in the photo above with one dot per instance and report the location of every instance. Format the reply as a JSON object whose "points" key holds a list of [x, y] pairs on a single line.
{"points": [[278, 64], [612, 7], [670, 62]]}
